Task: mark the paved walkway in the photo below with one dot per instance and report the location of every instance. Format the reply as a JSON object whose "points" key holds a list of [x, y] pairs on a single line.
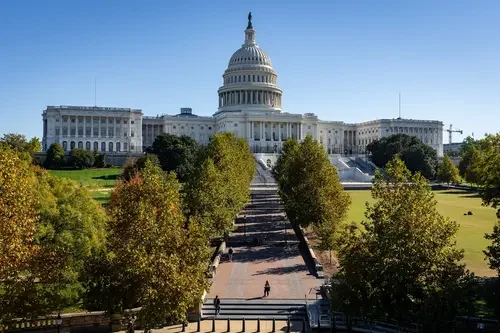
{"points": [[283, 266], [235, 326]]}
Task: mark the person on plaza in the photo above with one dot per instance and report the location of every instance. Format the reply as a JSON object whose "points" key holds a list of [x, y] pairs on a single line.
{"points": [[267, 289], [230, 252], [217, 305]]}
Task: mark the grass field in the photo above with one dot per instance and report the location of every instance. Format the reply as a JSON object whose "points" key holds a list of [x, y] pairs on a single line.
{"points": [[452, 204], [97, 178]]}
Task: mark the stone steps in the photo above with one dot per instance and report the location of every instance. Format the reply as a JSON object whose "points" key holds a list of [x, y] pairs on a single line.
{"points": [[256, 309]]}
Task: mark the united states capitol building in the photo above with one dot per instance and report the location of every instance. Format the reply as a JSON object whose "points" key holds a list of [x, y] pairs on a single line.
{"points": [[250, 106]]}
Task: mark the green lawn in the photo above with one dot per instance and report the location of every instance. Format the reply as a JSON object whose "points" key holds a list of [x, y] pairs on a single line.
{"points": [[102, 197], [98, 178], [452, 204]]}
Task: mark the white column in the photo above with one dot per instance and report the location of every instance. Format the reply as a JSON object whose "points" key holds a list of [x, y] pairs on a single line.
{"points": [[301, 132], [69, 127], [92, 129], [261, 130], [279, 131], [76, 130], [84, 127]]}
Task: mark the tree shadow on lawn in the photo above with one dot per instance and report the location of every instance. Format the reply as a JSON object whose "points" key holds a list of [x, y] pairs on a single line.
{"points": [[107, 177], [459, 192]]}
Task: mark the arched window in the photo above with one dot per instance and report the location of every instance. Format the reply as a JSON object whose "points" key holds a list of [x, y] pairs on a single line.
{"points": [[65, 145], [80, 145], [125, 146], [87, 145], [72, 145], [96, 146], [110, 146], [118, 146], [103, 146]]}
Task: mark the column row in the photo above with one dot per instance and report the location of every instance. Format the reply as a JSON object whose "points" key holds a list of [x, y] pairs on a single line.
{"points": [[249, 97], [106, 127], [274, 131]]}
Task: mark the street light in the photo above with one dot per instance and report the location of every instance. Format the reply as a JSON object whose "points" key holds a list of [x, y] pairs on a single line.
{"points": [[245, 227], [59, 322]]}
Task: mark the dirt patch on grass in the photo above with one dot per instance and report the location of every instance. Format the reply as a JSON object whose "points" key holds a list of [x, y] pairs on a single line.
{"points": [[323, 257]]}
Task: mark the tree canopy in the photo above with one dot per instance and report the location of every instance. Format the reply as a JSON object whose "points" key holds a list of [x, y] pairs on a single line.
{"points": [[55, 156], [403, 263], [447, 171], [219, 188], [176, 153], [417, 156], [151, 243], [18, 143]]}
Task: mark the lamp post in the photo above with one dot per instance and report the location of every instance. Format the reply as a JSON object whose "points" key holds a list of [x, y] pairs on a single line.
{"points": [[59, 322], [245, 227]]}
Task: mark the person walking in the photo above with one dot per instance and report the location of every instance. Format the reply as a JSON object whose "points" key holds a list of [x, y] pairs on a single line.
{"points": [[230, 254], [217, 305], [267, 289]]}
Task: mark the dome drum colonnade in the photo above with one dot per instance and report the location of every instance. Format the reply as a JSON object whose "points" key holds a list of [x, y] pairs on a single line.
{"points": [[250, 80]]}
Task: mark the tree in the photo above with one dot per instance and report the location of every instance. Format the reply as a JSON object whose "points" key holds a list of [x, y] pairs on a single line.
{"points": [[311, 186], [176, 153], [468, 152], [486, 168], [448, 172], [18, 143], [133, 166], [151, 243], [71, 226], [99, 159], [81, 158], [403, 264], [18, 217], [55, 156], [417, 156], [216, 192]]}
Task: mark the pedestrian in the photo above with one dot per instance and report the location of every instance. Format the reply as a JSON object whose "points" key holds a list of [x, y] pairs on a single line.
{"points": [[217, 305], [267, 289], [230, 254]]}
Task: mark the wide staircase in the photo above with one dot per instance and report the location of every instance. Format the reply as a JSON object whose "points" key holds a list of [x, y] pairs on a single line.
{"points": [[256, 309]]}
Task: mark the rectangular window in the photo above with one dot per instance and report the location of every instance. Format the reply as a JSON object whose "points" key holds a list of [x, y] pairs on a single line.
{"points": [[132, 134], [124, 133], [96, 131], [110, 131], [65, 131], [57, 131], [103, 131], [87, 131], [132, 122]]}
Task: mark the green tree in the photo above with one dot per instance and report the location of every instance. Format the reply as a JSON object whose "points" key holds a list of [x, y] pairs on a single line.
{"points": [[71, 225], [486, 168], [216, 192], [417, 156], [403, 264], [55, 156], [312, 190], [99, 159], [150, 242], [448, 172], [176, 153], [133, 166], [18, 143], [81, 158]]}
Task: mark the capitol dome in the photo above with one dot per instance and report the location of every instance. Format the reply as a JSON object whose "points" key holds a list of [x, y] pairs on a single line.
{"points": [[249, 82]]}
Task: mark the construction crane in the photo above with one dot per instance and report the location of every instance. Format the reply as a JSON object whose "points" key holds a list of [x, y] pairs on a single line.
{"points": [[451, 130]]}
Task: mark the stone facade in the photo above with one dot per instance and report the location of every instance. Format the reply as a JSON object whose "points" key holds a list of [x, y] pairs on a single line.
{"points": [[250, 106], [104, 129]]}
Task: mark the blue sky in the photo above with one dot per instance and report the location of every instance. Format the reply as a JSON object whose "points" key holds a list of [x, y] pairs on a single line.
{"points": [[343, 60]]}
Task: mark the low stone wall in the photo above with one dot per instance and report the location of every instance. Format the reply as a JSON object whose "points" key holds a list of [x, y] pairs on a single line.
{"points": [[212, 270], [310, 255]]}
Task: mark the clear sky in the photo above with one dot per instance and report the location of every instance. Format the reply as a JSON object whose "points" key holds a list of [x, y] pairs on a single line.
{"points": [[343, 60]]}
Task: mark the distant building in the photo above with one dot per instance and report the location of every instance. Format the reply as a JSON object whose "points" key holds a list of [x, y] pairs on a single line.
{"points": [[250, 106], [448, 147]]}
